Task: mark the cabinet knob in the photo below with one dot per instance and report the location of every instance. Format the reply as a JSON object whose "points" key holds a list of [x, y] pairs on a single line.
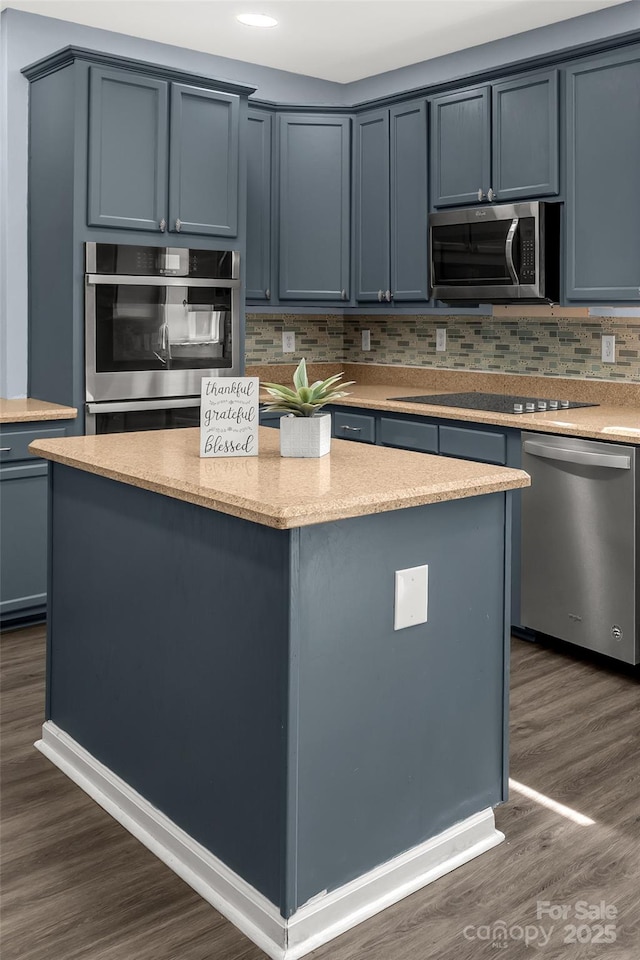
{"points": [[480, 193], [380, 296], [267, 294], [491, 195], [163, 225], [388, 296], [178, 225]]}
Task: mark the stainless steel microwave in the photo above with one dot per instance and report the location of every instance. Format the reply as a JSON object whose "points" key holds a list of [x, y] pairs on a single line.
{"points": [[506, 253]]}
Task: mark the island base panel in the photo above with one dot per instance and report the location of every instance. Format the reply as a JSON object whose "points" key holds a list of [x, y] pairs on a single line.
{"points": [[248, 684]]}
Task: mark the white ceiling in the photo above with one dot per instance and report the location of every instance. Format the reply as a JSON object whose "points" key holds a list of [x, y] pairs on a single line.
{"points": [[339, 40]]}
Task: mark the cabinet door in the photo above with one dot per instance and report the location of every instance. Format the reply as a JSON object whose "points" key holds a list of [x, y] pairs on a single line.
{"points": [[23, 540], [314, 207], [203, 185], [409, 207], [525, 137], [603, 161], [258, 260], [371, 178], [460, 147], [127, 150]]}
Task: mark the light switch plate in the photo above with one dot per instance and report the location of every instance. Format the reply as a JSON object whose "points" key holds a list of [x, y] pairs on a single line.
{"points": [[288, 341], [412, 597]]}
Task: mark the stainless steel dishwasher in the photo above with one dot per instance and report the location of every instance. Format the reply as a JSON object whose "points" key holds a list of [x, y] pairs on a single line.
{"points": [[580, 539]]}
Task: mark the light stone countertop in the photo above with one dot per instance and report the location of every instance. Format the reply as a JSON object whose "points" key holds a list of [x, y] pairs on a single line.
{"points": [[355, 479], [604, 422], [30, 410]]}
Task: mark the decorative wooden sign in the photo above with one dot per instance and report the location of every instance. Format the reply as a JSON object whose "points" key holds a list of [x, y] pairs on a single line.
{"points": [[229, 417]]}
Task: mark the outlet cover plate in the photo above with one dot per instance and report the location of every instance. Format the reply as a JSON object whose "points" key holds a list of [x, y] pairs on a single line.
{"points": [[288, 341], [441, 339], [366, 339], [609, 348], [412, 597]]}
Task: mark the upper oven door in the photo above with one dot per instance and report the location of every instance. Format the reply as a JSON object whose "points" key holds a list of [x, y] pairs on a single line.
{"points": [[486, 254], [157, 337]]}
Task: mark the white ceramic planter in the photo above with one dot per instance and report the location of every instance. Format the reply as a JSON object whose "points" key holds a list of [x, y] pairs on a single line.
{"points": [[305, 436]]}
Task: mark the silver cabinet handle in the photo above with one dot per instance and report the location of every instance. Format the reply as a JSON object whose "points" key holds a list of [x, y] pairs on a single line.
{"points": [[480, 193], [267, 294], [163, 225], [178, 225], [491, 195], [343, 294], [380, 296], [5, 449], [352, 429], [388, 296], [583, 457]]}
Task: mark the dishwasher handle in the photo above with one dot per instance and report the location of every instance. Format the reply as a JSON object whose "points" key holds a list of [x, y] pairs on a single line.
{"points": [[611, 460]]}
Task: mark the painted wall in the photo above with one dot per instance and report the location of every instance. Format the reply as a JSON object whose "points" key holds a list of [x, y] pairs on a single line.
{"points": [[540, 346], [26, 37]]}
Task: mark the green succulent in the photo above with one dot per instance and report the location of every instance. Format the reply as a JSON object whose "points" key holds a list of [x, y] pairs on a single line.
{"points": [[305, 400]]}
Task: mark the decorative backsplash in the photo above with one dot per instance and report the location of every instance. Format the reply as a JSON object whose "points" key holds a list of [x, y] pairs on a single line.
{"points": [[550, 347]]}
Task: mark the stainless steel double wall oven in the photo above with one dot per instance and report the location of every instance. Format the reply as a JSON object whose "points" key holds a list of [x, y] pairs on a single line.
{"points": [[157, 320]]}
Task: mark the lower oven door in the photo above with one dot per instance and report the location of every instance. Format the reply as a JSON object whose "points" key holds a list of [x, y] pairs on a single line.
{"points": [[126, 417]]}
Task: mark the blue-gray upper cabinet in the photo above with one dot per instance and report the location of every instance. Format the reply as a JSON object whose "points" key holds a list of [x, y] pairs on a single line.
{"points": [[203, 161], [603, 165], [148, 174], [128, 150], [525, 137], [258, 257], [390, 177], [496, 143], [313, 206], [460, 147]]}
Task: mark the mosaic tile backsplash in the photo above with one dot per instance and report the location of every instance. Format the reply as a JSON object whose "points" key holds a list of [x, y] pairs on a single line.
{"points": [[554, 347]]}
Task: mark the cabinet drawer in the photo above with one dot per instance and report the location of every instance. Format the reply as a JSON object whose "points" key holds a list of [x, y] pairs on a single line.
{"points": [[408, 434], [354, 426], [14, 444], [473, 444]]}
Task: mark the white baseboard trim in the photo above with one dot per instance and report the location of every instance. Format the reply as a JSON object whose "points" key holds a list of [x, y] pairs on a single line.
{"points": [[318, 921]]}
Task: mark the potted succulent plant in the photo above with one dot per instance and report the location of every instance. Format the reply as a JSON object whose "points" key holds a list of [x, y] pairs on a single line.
{"points": [[305, 432]]}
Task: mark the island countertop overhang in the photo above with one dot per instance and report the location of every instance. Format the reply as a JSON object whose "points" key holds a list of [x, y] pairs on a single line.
{"points": [[354, 480]]}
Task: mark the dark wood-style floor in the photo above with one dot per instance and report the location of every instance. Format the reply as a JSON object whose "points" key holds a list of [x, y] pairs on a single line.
{"points": [[77, 886]]}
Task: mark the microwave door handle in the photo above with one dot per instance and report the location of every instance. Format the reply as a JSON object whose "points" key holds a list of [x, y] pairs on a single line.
{"points": [[508, 249]]}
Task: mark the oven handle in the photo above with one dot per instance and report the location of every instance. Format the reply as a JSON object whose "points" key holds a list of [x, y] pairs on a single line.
{"points": [[95, 278], [508, 250], [125, 406]]}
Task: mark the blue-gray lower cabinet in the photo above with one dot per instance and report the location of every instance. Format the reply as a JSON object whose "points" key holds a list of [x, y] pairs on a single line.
{"points": [[603, 160], [23, 523], [314, 206], [259, 170]]}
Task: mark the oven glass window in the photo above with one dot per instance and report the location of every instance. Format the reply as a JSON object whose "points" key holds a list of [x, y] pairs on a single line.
{"points": [[473, 253], [140, 327], [130, 420]]}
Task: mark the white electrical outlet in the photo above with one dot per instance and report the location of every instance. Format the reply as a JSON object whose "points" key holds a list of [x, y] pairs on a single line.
{"points": [[288, 342], [609, 348], [441, 339], [366, 339], [412, 597]]}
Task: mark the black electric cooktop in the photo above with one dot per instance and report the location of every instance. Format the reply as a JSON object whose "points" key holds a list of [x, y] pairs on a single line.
{"points": [[495, 402]]}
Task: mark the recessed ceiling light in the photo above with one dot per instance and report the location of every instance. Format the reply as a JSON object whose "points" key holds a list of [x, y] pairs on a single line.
{"points": [[256, 20]]}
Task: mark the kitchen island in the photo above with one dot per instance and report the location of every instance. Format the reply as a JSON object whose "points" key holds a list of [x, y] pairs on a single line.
{"points": [[224, 676]]}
